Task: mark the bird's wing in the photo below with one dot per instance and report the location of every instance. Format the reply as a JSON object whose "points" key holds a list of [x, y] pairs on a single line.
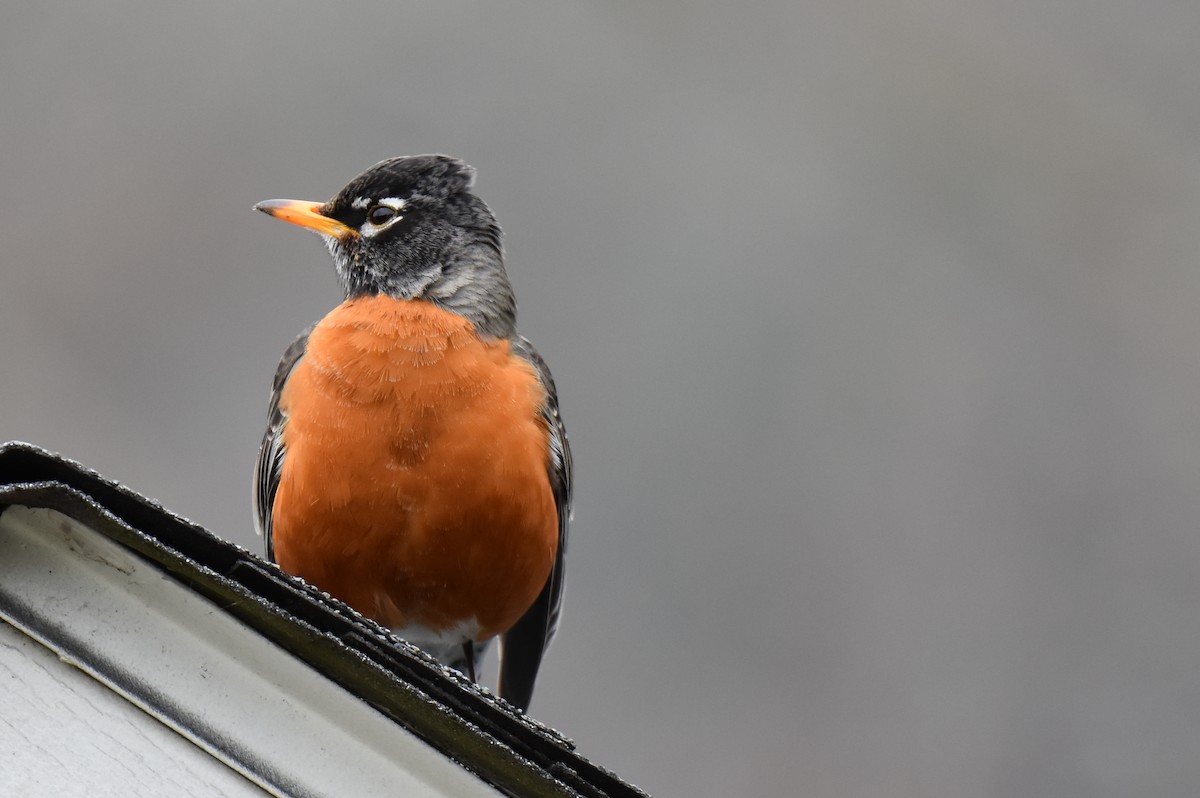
{"points": [[270, 456], [522, 646]]}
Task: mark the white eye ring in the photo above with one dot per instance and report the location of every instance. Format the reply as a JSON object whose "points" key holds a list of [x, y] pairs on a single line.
{"points": [[370, 228]]}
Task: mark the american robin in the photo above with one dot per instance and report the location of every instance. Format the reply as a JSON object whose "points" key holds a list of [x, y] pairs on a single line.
{"points": [[415, 464]]}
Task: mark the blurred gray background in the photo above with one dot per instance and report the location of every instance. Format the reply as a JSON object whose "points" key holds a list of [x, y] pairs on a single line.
{"points": [[876, 327]]}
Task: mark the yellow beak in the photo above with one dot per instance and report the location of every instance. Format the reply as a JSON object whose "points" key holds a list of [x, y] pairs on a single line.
{"points": [[305, 214]]}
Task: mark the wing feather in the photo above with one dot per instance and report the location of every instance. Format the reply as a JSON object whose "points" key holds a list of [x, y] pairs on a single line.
{"points": [[269, 466], [523, 646]]}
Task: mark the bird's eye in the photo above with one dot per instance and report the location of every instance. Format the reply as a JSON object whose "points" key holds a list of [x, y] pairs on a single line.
{"points": [[380, 215]]}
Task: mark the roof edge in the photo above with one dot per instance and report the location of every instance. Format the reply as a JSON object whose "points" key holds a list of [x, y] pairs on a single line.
{"points": [[510, 750]]}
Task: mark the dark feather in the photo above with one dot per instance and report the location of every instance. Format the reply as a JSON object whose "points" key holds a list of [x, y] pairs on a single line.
{"points": [[270, 456], [523, 646]]}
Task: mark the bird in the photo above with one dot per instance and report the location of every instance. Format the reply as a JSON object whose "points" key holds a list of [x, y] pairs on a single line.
{"points": [[415, 464]]}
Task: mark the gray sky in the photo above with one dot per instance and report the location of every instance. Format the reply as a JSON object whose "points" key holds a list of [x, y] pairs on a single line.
{"points": [[875, 327]]}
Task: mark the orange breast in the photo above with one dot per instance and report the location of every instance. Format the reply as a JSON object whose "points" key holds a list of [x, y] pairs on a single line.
{"points": [[415, 483]]}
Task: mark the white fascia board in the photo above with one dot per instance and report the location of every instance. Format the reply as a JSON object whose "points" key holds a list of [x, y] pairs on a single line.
{"points": [[64, 734], [197, 669]]}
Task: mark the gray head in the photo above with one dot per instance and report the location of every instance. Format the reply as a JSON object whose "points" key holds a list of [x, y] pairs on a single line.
{"points": [[410, 227]]}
